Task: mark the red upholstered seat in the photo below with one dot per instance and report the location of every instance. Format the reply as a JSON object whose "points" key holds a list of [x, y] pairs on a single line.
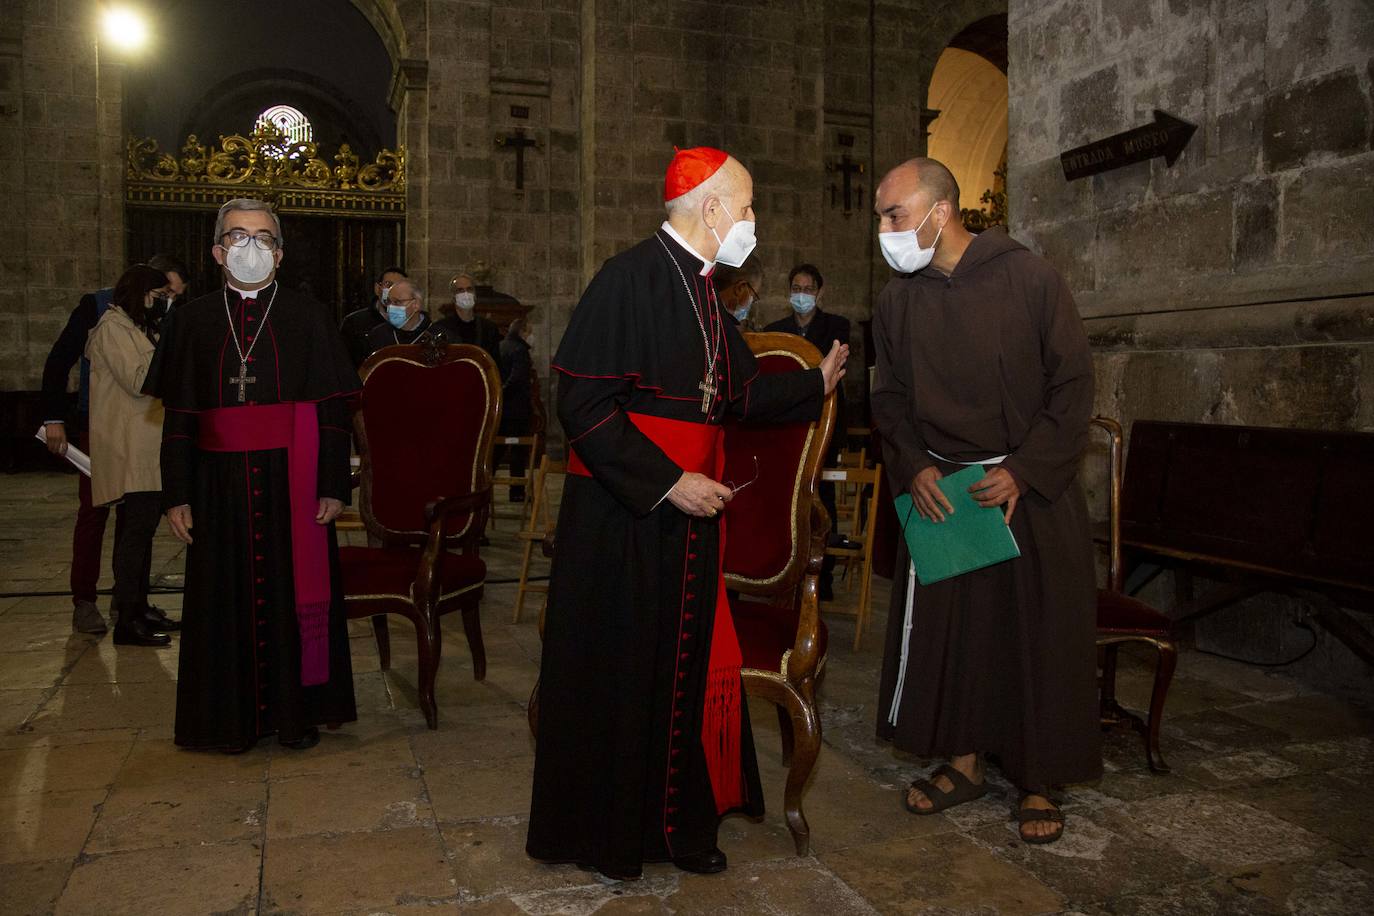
{"points": [[766, 632], [1118, 613], [391, 570], [425, 425]]}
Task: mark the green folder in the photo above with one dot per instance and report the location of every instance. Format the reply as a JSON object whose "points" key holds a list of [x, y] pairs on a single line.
{"points": [[970, 538]]}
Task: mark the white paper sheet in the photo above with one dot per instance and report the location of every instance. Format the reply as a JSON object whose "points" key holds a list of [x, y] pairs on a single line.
{"points": [[79, 459]]}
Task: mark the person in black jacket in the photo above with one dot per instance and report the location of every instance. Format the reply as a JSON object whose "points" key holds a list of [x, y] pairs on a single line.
{"points": [[359, 323], [805, 289], [516, 411], [463, 325], [62, 426]]}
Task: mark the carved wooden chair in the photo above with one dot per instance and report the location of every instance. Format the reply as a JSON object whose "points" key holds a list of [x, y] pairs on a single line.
{"points": [[1123, 619], [774, 548], [425, 426]]}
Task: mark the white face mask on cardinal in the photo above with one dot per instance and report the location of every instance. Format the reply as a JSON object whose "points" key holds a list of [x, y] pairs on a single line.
{"points": [[903, 251], [738, 243], [247, 263]]}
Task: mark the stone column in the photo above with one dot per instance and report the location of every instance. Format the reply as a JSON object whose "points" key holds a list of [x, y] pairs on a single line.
{"points": [[61, 164]]}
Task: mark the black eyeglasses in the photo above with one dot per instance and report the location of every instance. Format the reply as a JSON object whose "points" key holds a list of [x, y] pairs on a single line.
{"points": [[735, 489]]}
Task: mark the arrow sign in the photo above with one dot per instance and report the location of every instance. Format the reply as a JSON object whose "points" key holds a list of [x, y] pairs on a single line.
{"points": [[1166, 137]]}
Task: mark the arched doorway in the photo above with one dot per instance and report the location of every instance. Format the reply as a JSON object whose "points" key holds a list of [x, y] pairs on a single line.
{"points": [[969, 90], [215, 77]]}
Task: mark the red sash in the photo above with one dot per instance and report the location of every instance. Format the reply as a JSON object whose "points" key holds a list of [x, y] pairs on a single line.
{"points": [[701, 448], [295, 427]]}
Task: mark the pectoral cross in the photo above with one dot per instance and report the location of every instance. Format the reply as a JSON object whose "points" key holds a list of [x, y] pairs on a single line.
{"points": [[708, 392], [243, 380]]}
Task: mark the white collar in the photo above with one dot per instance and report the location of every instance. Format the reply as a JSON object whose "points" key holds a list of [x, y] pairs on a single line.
{"points": [[247, 294], [708, 265]]}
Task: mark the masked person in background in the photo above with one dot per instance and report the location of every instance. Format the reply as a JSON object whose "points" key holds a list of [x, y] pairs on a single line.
{"points": [[126, 432], [61, 426], [405, 318], [737, 288], [465, 326], [806, 288], [357, 325], [255, 381], [644, 740]]}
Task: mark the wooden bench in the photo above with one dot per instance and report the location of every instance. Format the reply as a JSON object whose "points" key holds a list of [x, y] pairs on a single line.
{"points": [[1254, 509]]}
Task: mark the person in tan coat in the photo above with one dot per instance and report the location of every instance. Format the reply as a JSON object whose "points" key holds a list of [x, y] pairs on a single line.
{"points": [[126, 442]]}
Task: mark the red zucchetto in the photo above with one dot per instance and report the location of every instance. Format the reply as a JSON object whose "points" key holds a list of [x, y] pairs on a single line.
{"points": [[689, 168]]}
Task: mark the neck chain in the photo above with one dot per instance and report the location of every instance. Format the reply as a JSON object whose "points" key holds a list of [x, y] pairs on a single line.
{"points": [[708, 384], [244, 378]]}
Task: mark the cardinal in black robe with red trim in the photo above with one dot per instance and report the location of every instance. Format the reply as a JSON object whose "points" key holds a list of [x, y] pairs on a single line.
{"points": [[255, 446], [644, 740]]}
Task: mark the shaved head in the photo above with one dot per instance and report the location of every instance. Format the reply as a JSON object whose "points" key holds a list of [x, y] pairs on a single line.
{"points": [[928, 177]]}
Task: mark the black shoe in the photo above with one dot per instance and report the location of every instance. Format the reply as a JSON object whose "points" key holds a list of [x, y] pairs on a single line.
{"points": [[702, 863], [159, 620], [305, 742], [827, 592], [139, 632], [234, 750]]}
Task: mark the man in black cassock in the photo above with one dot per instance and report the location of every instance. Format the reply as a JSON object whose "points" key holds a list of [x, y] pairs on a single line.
{"points": [[982, 359], [644, 740], [254, 378]]}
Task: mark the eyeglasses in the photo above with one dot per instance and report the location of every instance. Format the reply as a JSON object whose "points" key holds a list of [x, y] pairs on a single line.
{"points": [[753, 292], [812, 290], [735, 489], [402, 302], [238, 238]]}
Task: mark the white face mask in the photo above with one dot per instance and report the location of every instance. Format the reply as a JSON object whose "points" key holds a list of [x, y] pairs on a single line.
{"points": [[739, 242], [247, 263], [466, 301], [903, 250]]}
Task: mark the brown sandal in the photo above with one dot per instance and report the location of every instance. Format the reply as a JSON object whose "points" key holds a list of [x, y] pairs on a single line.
{"points": [[1026, 816], [964, 791]]}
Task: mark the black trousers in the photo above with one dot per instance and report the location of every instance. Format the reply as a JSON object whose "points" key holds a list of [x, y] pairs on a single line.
{"points": [[136, 521]]}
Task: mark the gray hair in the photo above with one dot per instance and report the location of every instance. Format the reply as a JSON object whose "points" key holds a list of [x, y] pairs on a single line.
{"points": [[246, 203], [414, 287], [720, 184]]}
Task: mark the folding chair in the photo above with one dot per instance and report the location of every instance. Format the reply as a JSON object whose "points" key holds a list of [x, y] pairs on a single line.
{"points": [[538, 525], [862, 538]]}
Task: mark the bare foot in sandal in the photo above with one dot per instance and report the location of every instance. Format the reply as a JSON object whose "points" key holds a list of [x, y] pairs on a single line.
{"points": [[1037, 827], [968, 765]]}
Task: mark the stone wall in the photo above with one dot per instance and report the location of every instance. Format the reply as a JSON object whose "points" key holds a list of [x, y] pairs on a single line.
{"points": [[61, 174], [1237, 286]]}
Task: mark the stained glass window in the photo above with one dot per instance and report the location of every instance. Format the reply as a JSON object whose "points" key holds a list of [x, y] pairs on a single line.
{"points": [[293, 123]]}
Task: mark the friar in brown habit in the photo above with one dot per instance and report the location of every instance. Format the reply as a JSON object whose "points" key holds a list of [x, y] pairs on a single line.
{"points": [[982, 359]]}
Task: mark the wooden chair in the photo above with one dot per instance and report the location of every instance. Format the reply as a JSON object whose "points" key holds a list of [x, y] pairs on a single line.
{"points": [[425, 426], [533, 443], [860, 551], [774, 549], [848, 496], [1123, 619], [540, 525]]}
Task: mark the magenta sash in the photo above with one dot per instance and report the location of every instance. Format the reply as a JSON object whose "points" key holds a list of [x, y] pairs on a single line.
{"points": [[295, 427]]}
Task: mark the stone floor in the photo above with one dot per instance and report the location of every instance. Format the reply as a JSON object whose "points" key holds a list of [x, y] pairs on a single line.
{"points": [[1267, 810]]}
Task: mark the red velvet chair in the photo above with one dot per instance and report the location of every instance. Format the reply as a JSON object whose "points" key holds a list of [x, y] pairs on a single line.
{"points": [[425, 425], [774, 548], [1122, 619]]}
